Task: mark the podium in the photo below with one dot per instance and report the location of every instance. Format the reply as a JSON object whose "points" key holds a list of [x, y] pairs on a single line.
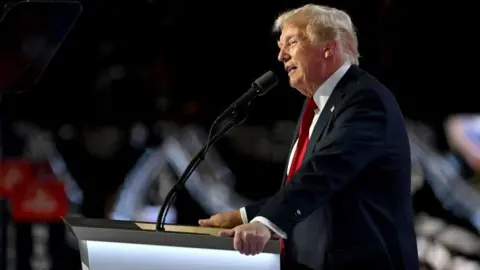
{"points": [[126, 245]]}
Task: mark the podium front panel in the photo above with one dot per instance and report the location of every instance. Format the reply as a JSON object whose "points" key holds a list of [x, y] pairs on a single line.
{"points": [[124, 256], [126, 245]]}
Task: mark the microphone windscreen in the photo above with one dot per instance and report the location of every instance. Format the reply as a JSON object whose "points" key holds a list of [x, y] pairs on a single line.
{"points": [[266, 82]]}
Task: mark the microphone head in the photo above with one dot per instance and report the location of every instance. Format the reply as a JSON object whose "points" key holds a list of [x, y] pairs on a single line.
{"points": [[265, 83]]}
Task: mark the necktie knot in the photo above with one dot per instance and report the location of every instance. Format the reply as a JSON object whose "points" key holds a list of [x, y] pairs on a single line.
{"points": [[311, 105]]}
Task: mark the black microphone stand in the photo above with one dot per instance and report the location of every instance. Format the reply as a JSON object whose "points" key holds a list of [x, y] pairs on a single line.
{"points": [[239, 115]]}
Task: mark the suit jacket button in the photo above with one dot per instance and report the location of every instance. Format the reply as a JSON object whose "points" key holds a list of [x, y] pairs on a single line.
{"points": [[298, 213]]}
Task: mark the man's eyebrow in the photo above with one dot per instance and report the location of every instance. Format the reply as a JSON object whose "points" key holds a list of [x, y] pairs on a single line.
{"points": [[287, 38]]}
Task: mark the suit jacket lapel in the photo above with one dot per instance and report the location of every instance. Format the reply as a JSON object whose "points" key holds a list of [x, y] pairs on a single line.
{"points": [[324, 118], [333, 102], [327, 112]]}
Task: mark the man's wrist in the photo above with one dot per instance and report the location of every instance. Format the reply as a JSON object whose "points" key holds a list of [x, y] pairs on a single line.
{"points": [[273, 228], [269, 230]]}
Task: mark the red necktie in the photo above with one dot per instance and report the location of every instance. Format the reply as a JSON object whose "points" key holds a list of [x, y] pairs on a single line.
{"points": [[303, 137]]}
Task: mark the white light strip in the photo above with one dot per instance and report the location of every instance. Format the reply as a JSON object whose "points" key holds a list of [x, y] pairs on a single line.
{"points": [[123, 256]]}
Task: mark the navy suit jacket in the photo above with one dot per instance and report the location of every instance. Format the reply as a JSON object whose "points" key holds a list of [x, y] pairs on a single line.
{"points": [[349, 205]]}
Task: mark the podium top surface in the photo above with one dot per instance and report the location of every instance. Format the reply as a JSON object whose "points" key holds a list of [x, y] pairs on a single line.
{"points": [[106, 230]]}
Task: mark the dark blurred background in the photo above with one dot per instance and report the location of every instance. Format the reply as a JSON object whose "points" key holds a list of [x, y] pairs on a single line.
{"points": [[136, 78]]}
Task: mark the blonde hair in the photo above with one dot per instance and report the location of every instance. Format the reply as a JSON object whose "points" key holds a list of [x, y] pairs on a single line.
{"points": [[324, 23]]}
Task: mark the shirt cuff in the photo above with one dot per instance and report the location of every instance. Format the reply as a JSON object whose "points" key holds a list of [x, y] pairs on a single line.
{"points": [[274, 228], [243, 214]]}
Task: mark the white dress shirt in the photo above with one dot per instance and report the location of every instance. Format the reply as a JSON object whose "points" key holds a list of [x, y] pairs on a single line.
{"points": [[320, 97]]}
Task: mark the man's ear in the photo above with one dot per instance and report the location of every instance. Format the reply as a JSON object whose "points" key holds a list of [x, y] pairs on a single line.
{"points": [[329, 49]]}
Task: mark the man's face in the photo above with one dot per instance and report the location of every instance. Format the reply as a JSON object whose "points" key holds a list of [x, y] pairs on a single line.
{"points": [[303, 60]]}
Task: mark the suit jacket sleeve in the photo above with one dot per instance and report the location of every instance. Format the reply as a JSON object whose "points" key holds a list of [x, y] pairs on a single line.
{"points": [[252, 209], [356, 139]]}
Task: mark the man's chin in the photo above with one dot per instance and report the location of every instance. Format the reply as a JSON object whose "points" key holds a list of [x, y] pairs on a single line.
{"points": [[299, 88], [294, 83]]}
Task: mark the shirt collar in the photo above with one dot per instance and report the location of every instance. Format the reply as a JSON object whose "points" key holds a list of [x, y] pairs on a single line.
{"points": [[327, 87]]}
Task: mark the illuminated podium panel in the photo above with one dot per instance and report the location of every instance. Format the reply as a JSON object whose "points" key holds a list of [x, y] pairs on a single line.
{"points": [[126, 245]]}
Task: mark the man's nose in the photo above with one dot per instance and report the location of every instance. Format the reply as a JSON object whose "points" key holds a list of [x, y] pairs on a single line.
{"points": [[283, 56]]}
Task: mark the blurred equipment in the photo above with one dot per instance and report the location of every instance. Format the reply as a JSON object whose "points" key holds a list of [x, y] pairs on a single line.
{"points": [[443, 246], [37, 202], [146, 186], [30, 34], [443, 174], [463, 133]]}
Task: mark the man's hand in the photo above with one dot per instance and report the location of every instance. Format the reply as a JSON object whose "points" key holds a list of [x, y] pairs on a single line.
{"points": [[249, 239], [225, 220]]}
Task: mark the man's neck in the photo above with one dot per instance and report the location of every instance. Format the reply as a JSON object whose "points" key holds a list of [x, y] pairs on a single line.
{"points": [[329, 85], [332, 69]]}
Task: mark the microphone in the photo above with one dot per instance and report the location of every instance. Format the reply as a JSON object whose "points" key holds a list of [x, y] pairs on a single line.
{"points": [[259, 87]]}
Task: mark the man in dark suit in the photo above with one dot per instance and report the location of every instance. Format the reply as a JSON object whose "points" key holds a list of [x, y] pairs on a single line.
{"points": [[345, 202]]}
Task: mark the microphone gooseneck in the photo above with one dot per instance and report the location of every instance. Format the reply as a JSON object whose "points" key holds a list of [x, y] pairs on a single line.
{"points": [[238, 110]]}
